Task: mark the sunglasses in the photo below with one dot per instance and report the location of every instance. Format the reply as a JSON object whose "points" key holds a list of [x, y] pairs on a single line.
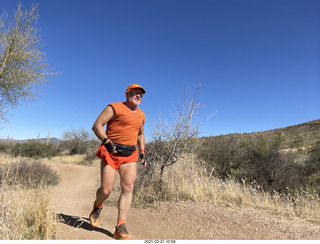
{"points": [[135, 93]]}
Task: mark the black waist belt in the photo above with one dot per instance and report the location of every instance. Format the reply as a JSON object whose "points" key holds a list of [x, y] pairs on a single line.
{"points": [[125, 150]]}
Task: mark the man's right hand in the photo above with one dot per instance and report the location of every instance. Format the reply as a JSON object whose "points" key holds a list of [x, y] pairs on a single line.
{"points": [[111, 147]]}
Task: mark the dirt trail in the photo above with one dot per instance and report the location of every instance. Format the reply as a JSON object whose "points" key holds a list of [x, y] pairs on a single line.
{"points": [[72, 200]]}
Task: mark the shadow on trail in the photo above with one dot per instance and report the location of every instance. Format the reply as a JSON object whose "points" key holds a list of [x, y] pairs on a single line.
{"points": [[80, 222]]}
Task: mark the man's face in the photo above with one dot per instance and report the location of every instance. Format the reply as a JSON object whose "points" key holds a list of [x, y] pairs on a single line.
{"points": [[135, 96]]}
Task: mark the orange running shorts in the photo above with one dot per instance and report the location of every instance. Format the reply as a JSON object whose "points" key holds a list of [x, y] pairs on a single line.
{"points": [[114, 160]]}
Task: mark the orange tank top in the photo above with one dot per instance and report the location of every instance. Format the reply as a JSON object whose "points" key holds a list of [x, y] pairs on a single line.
{"points": [[124, 128]]}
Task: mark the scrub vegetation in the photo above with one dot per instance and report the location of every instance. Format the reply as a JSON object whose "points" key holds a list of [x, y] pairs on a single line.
{"points": [[276, 170], [25, 212]]}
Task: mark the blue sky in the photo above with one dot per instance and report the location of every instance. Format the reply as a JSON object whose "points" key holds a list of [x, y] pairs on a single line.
{"points": [[257, 60]]}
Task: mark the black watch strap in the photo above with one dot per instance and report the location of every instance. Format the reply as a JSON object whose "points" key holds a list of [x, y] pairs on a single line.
{"points": [[105, 140]]}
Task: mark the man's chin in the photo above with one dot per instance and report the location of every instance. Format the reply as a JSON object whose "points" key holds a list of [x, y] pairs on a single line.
{"points": [[135, 102]]}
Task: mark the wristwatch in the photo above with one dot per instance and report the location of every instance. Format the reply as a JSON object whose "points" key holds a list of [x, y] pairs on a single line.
{"points": [[105, 140]]}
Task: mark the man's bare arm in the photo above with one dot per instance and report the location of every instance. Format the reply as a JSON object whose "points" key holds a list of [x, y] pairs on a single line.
{"points": [[107, 114], [141, 138], [141, 144]]}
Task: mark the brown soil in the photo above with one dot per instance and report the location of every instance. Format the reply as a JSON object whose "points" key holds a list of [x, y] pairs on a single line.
{"points": [[73, 198]]}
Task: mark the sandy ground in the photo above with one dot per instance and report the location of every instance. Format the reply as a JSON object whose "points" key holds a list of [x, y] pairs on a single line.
{"points": [[73, 198]]}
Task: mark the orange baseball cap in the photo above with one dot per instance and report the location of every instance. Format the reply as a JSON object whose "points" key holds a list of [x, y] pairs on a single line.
{"points": [[135, 86]]}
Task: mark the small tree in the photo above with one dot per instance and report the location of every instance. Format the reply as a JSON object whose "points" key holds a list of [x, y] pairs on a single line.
{"points": [[75, 141], [23, 67], [170, 141]]}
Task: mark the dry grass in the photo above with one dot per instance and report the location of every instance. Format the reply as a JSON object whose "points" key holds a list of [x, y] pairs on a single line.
{"points": [[189, 180], [70, 159], [66, 159], [25, 214]]}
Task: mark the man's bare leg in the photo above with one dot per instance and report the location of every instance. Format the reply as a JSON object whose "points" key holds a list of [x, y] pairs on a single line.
{"points": [[128, 174], [108, 177]]}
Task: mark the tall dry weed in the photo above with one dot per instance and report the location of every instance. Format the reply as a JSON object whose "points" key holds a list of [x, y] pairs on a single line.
{"points": [[25, 213]]}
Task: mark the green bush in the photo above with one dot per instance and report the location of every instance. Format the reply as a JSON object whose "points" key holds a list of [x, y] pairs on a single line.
{"points": [[91, 151], [6, 147], [272, 169], [35, 149], [312, 167], [224, 154]]}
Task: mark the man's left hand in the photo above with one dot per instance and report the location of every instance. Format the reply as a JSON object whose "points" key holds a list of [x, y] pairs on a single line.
{"points": [[143, 159]]}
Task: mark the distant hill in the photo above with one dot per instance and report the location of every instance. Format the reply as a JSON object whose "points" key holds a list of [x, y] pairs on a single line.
{"points": [[300, 135], [305, 134], [313, 125], [52, 140]]}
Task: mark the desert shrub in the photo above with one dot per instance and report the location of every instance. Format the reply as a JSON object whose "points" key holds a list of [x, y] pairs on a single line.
{"points": [[270, 168], [312, 168], [313, 161], [35, 149], [6, 147], [90, 154], [148, 186], [224, 154], [28, 174]]}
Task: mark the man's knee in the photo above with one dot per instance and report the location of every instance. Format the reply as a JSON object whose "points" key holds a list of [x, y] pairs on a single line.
{"points": [[127, 187], [128, 174], [105, 191]]}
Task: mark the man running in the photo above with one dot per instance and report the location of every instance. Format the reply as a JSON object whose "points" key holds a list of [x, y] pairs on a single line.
{"points": [[118, 153]]}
